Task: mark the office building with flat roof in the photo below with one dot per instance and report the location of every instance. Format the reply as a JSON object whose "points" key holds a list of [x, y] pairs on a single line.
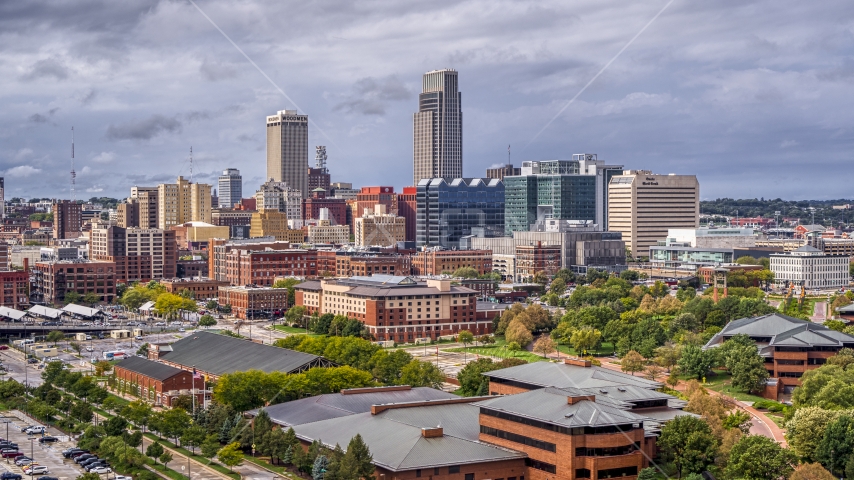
{"points": [[230, 187], [643, 206], [287, 149], [448, 209], [437, 129]]}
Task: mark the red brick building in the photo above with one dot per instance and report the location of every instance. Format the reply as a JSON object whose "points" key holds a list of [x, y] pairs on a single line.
{"points": [[532, 259], [53, 279], [437, 262], [337, 207], [790, 347], [368, 197], [395, 307], [224, 255], [261, 267], [339, 263], [254, 302], [154, 382], [202, 288], [16, 289], [406, 208]]}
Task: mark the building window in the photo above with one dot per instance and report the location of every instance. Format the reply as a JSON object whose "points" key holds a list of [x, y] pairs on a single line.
{"points": [[546, 467], [469, 476], [418, 472], [531, 442], [617, 472], [582, 473], [454, 469]]}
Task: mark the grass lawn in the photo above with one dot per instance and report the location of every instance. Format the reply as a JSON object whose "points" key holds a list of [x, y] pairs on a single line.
{"points": [[722, 383], [294, 330], [497, 350], [276, 468]]}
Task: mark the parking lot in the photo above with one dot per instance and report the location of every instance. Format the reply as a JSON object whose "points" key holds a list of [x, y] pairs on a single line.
{"points": [[49, 455]]}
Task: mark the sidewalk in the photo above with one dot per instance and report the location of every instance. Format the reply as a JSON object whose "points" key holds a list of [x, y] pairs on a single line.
{"points": [[179, 463]]}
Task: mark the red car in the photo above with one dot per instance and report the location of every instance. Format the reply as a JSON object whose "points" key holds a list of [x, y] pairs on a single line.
{"points": [[4, 347], [11, 454]]}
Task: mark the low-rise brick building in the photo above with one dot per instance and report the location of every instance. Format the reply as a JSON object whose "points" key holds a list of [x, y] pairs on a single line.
{"points": [[437, 262], [533, 259], [154, 382], [395, 307], [790, 347], [53, 279], [252, 301], [202, 288], [16, 289], [343, 263], [261, 267]]}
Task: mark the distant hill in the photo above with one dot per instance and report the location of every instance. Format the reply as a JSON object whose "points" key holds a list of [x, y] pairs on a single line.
{"points": [[825, 214]]}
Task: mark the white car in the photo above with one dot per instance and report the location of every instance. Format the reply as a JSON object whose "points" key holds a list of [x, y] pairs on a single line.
{"points": [[35, 429], [90, 349], [101, 470], [122, 477], [181, 329], [36, 469]]}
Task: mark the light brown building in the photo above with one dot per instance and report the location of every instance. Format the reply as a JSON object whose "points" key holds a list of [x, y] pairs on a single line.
{"points": [[437, 262], [395, 307], [643, 206], [378, 228], [147, 198], [325, 232], [287, 149], [506, 170], [249, 302], [67, 219], [183, 202], [342, 263], [272, 223], [127, 214], [140, 254]]}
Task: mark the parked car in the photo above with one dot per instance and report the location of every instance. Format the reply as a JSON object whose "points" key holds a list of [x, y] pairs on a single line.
{"points": [[36, 469], [25, 427], [11, 454], [101, 470], [9, 476], [48, 439], [23, 460], [92, 466], [71, 452], [82, 458], [79, 454], [181, 329], [49, 478], [32, 360], [92, 461], [117, 477], [88, 337], [35, 429], [6, 347], [138, 338], [160, 324]]}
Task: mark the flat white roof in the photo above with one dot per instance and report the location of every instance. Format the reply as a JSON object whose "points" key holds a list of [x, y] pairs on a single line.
{"points": [[81, 310], [43, 311], [12, 313]]}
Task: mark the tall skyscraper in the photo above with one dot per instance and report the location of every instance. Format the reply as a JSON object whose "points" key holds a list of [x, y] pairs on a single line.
{"points": [[67, 219], [2, 199], [437, 128], [287, 149], [230, 188], [182, 202]]}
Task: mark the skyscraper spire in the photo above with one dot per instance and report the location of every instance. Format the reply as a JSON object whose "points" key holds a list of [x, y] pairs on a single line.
{"points": [[73, 173]]}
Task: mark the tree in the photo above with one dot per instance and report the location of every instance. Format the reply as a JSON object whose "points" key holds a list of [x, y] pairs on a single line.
{"points": [[91, 298], [89, 476], [318, 470], [649, 472], [75, 346], [165, 457], [288, 283], [544, 345], [829, 386], [513, 347], [688, 442], [102, 367], [811, 471], [465, 337], [806, 429], [193, 437], [421, 374], [210, 447], [518, 333], [695, 362], [632, 362], [207, 321], [837, 444], [558, 286], [584, 339], [756, 457], [55, 336], [747, 369], [358, 459], [154, 450], [72, 297], [465, 272]]}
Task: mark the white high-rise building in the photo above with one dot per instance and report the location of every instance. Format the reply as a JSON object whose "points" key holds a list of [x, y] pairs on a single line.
{"points": [[278, 196], [287, 149], [230, 188], [437, 128], [808, 267]]}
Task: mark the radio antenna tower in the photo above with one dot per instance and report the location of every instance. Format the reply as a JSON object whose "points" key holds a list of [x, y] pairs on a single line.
{"points": [[320, 157], [191, 164], [73, 173]]}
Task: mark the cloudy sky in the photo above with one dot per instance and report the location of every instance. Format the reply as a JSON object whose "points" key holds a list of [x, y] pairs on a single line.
{"points": [[755, 97]]}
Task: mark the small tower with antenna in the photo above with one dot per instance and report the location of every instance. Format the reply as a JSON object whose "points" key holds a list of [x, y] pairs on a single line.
{"points": [[73, 173], [191, 164]]}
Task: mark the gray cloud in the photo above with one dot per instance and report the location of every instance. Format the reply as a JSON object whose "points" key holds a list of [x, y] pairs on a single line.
{"points": [[145, 129], [48, 67], [215, 71], [371, 96], [38, 118]]}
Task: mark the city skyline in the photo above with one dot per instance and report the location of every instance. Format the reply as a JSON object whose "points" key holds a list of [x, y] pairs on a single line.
{"points": [[763, 98]]}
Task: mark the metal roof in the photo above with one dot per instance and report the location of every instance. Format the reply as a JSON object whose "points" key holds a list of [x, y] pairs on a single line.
{"points": [[548, 374], [550, 405], [219, 354], [81, 310], [334, 405], [43, 311], [394, 436], [12, 313], [146, 306], [149, 368], [782, 330]]}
